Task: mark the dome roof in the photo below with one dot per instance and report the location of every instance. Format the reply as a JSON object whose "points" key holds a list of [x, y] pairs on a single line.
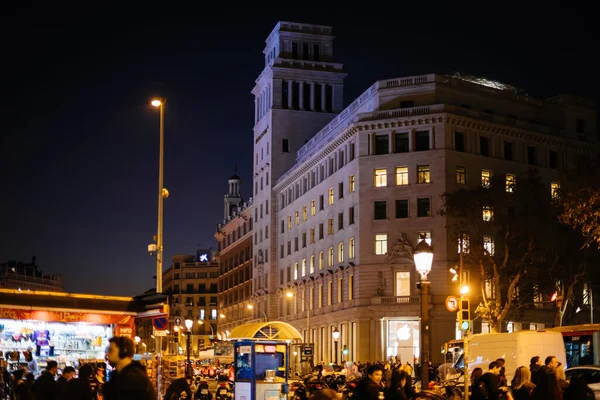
{"points": [[235, 177]]}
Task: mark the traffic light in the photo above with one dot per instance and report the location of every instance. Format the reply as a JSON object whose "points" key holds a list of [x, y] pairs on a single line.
{"points": [[464, 315], [345, 350]]}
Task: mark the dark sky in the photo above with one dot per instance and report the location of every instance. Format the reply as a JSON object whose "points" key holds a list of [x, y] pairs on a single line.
{"points": [[79, 143]]}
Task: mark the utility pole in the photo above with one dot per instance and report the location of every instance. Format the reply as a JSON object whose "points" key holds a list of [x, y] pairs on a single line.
{"points": [[464, 295]]}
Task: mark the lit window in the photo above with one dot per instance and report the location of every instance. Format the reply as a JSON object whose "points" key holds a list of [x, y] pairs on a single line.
{"points": [[330, 257], [486, 178], [488, 213], [339, 289], [320, 295], [320, 261], [341, 252], [329, 292], [297, 217], [331, 196], [304, 213], [461, 175], [351, 183], [312, 264], [330, 226], [303, 266], [312, 235], [489, 245], [295, 271], [463, 243], [351, 287], [511, 182], [381, 244], [423, 174], [380, 178], [213, 314], [289, 222], [202, 315], [401, 176], [554, 190], [351, 248], [313, 208], [427, 235], [402, 283]]}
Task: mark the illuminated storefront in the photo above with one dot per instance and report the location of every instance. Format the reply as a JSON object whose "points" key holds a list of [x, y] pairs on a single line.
{"points": [[69, 328], [403, 338]]}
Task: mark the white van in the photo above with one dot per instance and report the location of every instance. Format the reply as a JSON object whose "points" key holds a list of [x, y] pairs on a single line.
{"points": [[516, 348]]}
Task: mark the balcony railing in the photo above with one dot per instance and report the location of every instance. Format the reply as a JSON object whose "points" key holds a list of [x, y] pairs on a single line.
{"points": [[415, 299]]}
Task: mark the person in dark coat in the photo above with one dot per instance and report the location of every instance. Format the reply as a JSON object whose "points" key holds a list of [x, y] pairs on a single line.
{"points": [[398, 382], [61, 382], [44, 387], [129, 380], [370, 387], [80, 388], [179, 386], [21, 390], [491, 380]]}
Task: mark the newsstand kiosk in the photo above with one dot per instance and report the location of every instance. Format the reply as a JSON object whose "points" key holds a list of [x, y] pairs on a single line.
{"points": [[261, 369]]}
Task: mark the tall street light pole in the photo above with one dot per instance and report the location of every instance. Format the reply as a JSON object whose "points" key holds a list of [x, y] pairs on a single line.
{"points": [[188, 366], [162, 193], [423, 257]]}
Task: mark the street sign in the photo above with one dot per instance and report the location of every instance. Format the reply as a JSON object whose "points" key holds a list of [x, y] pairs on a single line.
{"points": [[451, 303], [308, 350], [177, 321], [160, 333], [160, 323]]}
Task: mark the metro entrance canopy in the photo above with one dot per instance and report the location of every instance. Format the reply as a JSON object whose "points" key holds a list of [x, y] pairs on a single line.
{"points": [[272, 330]]}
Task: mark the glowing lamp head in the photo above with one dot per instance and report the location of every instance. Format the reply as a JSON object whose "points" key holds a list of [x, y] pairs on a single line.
{"points": [[336, 334], [464, 290], [188, 324], [137, 340], [156, 103], [554, 296], [289, 294], [250, 307], [423, 256]]}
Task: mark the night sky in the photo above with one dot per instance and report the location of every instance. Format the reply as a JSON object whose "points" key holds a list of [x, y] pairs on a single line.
{"points": [[79, 141]]}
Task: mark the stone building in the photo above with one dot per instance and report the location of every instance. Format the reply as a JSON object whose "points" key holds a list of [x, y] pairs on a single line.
{"points": [[28, 276], [341, 195]]}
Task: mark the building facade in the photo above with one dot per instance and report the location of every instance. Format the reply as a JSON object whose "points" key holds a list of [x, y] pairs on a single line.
{"points": [[192, 285], [234, 238], [28, 276], [342, 195]]}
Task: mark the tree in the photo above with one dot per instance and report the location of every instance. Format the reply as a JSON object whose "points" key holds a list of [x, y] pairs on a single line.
{"points": [[503, 229], [580, 200]]}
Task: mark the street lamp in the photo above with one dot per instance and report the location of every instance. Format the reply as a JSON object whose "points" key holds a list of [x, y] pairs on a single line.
{"points": [[290, 295], [423, 257], [137, 341], [251, 307], [336, 337], [189, 324]]}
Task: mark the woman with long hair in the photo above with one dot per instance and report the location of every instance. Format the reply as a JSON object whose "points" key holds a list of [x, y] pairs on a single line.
{"points": [[521, 384], [397, 390]]}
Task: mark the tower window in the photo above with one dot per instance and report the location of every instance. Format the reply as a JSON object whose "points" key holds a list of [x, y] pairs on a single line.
{"points": [[285, 146], [316, 54], [284, 94], [305, 51], [294, 50], [329, 98], [295, 95]]}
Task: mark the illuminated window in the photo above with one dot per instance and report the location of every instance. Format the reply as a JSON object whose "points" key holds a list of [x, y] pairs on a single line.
{"points": [[312, 235], [488, 213], [297, 217], [295, 271], [463, 243], [401, 176], [351, 183], [329, 292], [320, 261], [351, 248], [427, 235], [303, 266], [380, 178], [330, 226], [289, 222], [304, 213], [486, 178], [339, 289], [423, 174], [330, 256], [489, 245], [313, 208], [381, 244], [320, 295], [554, 190], [341, 252], [312, 264], [461, 175], [511, 182], [351, 287], [402, 283], [213, 314], [331, 196]]}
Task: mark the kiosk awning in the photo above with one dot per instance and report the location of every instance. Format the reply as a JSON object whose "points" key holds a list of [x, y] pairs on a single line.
{"points": [[272, 330]]}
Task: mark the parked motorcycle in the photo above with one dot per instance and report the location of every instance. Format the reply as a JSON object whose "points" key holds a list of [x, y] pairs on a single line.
{"points": [[202, 393]]}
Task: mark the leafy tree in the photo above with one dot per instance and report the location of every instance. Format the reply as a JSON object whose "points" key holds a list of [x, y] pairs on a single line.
{"points": [[521, 222]]}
